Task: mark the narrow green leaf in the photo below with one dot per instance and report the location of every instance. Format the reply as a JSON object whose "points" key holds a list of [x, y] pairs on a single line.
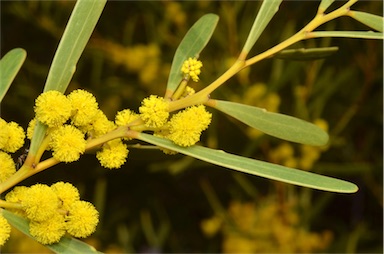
{"points": [[303, 54], [256, 167], [66, 244], [324, 4], [192, 44], [267, 10], [10, 65], [274, 124], [76, 35], [347, 34], [371, 20]]}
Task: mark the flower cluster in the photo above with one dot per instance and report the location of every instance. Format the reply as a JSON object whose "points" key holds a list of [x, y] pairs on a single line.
{"points": [[53, 211], [11, 139], [184, 128], [264, 228], [192, 68], [72, 120]]}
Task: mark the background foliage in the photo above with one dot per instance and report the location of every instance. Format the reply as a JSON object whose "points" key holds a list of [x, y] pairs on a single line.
{"points": [[161, 203]]}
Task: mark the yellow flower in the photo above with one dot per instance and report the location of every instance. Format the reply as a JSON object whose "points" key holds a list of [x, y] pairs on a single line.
{"points": [[125, 116], [188, 91], [48, 231], [67, 143], [16, 137], [12, 136], [82, 219], [40, 202], [99, 126], [113, 154], [53, 108], [186, 126], [84, 107], [16, 196], [191, 68], [7, 166], [67, 194], [154, 111], [5, 230], [31, 128]]}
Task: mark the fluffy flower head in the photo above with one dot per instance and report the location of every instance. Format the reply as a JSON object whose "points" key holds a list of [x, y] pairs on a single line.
{"points": [[12, 136], [48, 231], [7, 166], [84, 107], [68, 143], [186, 126], [82, 219], [40, 202], [154, 111], [125, 116], [192, 68], [31, 128], [5, 230], [67, 194], [53, 108], [99, 126], [17, 194], [113, 154]]}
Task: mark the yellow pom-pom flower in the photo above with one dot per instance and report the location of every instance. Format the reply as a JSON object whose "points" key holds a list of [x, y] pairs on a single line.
{"points": [[192, 68], [48, 231], [16, 196], [67, 143], [40, 202], [125, 116], [53, 108], [82, 219], [7, 166], [154, 111], [31, 128], [5, 230], [113, 154], [84, 107], [99, 126], [67, 194], [12, 136], [16, 137], [186, 126]]}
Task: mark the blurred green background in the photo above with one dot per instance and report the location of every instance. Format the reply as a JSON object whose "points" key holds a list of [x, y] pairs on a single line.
{"points": [[160, 203]]}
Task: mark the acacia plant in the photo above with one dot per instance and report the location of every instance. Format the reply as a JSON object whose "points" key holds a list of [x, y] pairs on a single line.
{"points": [[67, 126]]}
